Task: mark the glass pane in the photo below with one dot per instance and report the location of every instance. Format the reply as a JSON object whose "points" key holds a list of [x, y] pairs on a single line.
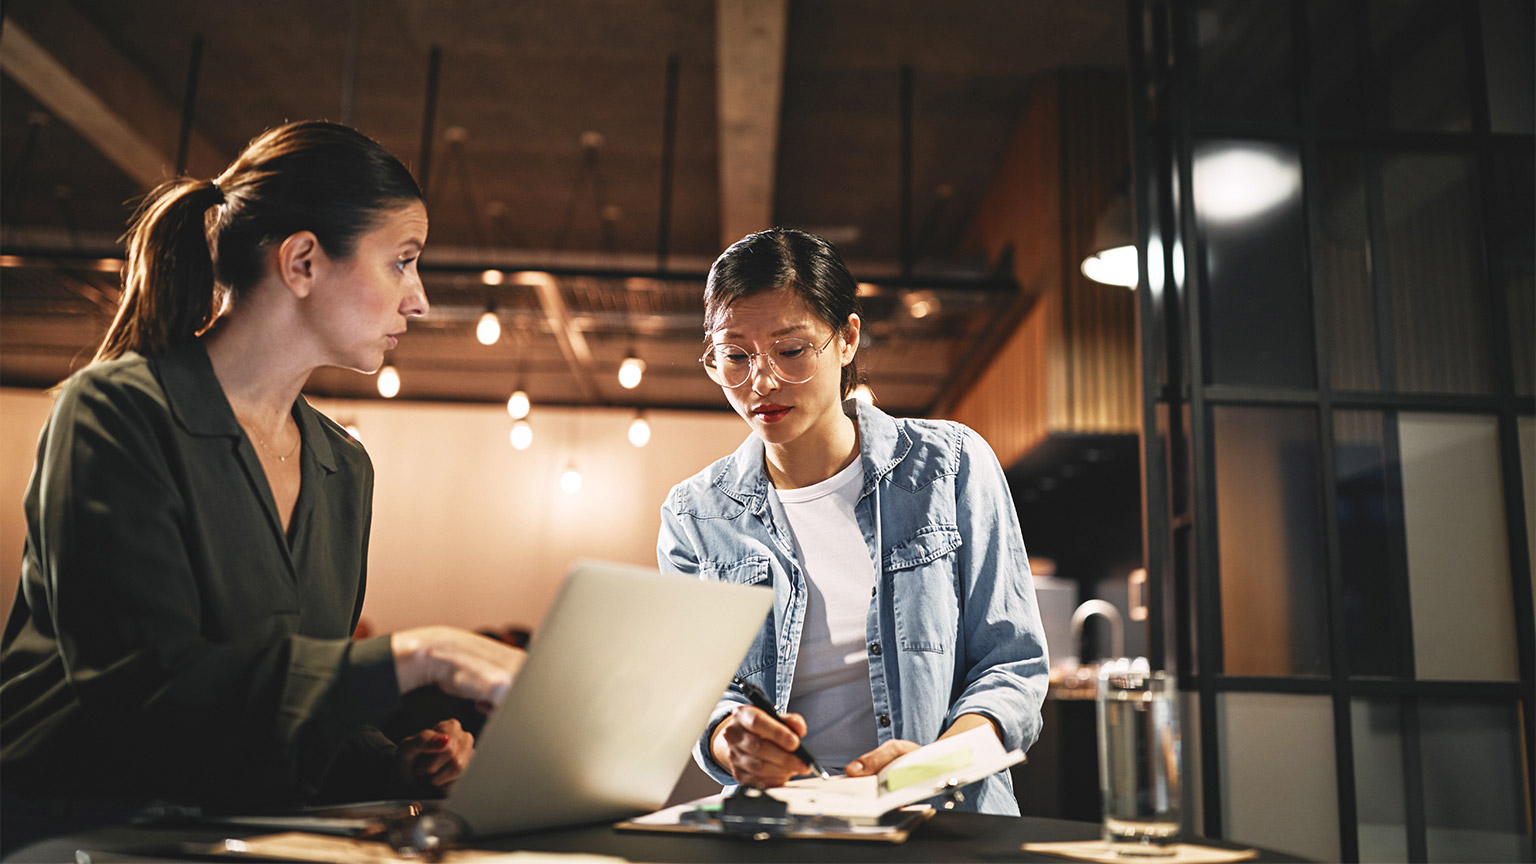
{"points": [[1419, 50], [1370, 512], [1380, 810], [1258, 307], [1512, 241], [1343, 271], [1247, 61], [1458, 550], [1440, 311], [1339, 64], [1474, 784], [1269, 530], [1269, 736], [1510, 64]]}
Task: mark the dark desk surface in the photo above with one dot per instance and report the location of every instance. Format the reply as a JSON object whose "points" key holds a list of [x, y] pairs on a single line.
{"points": [[946, 837]]}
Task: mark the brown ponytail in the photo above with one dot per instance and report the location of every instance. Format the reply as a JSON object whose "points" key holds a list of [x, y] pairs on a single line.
{"points": [[168, 281], [304, 176]]}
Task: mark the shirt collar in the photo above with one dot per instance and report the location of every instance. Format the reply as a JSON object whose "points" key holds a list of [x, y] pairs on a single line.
{"points": [[199, 405], [882, 446]]}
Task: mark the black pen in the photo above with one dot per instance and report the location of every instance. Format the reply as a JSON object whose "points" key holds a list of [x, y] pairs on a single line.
{"points": [[758, 698]]}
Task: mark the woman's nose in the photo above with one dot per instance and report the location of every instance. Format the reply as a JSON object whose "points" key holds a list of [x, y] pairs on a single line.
{"points": [[762, 377], [415, 304]]}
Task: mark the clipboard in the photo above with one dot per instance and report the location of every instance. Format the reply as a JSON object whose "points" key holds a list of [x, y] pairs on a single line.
{"points": [[884, 807]]}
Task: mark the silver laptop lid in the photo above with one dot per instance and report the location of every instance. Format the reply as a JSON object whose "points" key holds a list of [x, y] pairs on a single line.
{"points": [[620, 679]]}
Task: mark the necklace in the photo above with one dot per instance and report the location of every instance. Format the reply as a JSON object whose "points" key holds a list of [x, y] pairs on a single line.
{"points": [[299, 439]]}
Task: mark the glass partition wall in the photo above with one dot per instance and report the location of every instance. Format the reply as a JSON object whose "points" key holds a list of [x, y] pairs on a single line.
{"points": [[1335, 208]]}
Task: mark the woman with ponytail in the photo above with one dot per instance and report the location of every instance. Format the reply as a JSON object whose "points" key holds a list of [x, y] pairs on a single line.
{"points": [[197, 534]]}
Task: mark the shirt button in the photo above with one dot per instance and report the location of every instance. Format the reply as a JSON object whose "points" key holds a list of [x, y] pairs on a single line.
{"points": [[872, 592], [885, 719], [736, 680], [874, 648]]}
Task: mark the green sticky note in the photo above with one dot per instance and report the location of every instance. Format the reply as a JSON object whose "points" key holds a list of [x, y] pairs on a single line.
{"points": [[901, 776]]}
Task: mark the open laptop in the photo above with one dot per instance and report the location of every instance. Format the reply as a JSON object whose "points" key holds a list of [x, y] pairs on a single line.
{"points": [[620, 679]]}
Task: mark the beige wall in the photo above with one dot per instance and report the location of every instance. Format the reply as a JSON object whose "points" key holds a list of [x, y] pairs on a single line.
{"points": [[466, 530]]}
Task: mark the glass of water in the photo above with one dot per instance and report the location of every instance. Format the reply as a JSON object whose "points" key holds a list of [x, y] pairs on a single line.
{"points": [[1138, 758]]}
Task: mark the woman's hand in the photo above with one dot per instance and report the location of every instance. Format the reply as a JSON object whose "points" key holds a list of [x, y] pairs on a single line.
{"points": [[462, 663], [757, 749], [876, 759], [435, 757]]}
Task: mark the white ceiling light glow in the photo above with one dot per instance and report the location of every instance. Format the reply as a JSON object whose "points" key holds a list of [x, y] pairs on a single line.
{"points": [[1243, 181]]}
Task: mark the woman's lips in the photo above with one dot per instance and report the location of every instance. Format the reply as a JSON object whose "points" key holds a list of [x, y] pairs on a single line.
{"points": [[771, 413]]}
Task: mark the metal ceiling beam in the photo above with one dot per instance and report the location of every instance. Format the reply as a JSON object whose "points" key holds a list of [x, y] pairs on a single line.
{"points": [[571, 341], [750, 36], [66, 63]]}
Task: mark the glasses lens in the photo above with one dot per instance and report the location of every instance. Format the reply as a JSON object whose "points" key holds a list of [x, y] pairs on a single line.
{"points": [[728, 364], [794, 360]]}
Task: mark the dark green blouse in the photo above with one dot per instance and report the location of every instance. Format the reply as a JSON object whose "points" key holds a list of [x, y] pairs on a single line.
{"points": [[168, 640]]}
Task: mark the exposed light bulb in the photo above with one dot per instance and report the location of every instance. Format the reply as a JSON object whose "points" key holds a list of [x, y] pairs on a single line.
{"points": [[639, 431], [1115, 266], [354, 431], [864, 394], [522, 435], [630, 372], [389, 382], [570, 481], [493, 277], [489, 328], [519, 406]]}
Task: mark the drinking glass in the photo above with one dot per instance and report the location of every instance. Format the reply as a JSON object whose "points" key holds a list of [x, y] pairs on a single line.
{"points": [[1138, 759]]}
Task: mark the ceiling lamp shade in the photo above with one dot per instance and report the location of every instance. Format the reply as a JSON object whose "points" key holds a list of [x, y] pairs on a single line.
{"points": [[1114, 259], [570, 481]]}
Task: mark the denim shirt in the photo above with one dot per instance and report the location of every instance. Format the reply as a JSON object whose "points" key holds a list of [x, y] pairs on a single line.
{"points": [[952, 627]]}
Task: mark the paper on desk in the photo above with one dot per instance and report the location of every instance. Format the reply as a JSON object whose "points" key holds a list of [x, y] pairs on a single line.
{"points": [[298, 846], [923, 773]]}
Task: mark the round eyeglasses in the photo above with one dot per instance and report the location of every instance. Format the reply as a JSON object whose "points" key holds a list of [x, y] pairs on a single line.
{"points": [[792, 360]]}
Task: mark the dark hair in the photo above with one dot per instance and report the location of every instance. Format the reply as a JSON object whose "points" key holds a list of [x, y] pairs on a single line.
{"points": [[785, 258], [303, 176]]}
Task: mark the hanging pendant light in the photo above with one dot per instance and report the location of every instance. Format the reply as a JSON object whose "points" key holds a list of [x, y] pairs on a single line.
{"points": [[489, 328], [631, 371], [522, 435], [518, 406], [389, 382], [570, 481], [639, 430]]}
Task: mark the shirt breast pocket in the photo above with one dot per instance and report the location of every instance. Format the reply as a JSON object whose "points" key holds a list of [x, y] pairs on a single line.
{"points": [[748, 571], [922, 572]]}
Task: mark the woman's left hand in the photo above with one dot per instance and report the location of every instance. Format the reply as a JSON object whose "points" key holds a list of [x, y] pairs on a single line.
{"points": [[435, 757], [878, 758]]}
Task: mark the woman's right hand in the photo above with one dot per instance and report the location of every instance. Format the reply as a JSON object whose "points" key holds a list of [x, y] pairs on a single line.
{"points": [[757, 749], [462, 663]]}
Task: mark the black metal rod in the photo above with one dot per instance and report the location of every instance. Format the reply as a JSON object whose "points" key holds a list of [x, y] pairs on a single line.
{"points": [[189, 106], [429, 117], [350, 63], [668, 156], [906, 170], [16, 186]]}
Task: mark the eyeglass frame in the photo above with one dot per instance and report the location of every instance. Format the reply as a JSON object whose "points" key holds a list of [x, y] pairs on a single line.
{"points": [[752, 360]]}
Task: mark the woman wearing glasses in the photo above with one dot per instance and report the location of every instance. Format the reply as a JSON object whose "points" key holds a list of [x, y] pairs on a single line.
{"points": [[904, 610]]}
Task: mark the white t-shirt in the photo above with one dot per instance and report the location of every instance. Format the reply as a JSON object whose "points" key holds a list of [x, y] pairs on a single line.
{"points": [[831, 685]]}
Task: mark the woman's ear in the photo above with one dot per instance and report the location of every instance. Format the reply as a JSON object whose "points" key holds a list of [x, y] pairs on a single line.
{"points": [[298, 257], [850, 340]]}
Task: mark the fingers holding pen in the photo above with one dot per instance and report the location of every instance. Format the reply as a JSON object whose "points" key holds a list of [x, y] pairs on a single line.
{"points": [[759, 749]]}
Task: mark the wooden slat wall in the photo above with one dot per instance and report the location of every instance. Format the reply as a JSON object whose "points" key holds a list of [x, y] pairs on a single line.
{"points": [[1071, 366]]}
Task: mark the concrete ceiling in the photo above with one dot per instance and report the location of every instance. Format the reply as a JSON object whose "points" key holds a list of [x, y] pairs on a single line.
{"points": [[545, 143]]}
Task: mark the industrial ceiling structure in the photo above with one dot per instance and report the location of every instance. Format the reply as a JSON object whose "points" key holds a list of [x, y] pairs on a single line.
{"points": [[583, 161]]}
